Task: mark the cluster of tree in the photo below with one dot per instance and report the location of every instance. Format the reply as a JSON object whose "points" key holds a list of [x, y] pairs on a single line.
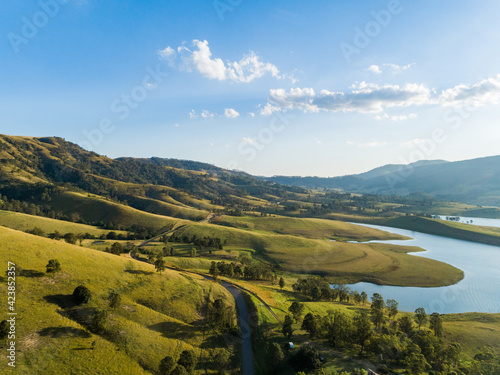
{"points": [[184, 365], [250, 270], [72, 238], [117, 248], [206, 242], [319, 289], [220, 316], [414, 342]]}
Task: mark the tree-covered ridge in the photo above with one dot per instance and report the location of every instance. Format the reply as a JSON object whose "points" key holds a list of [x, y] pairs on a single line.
{"points": [[55, 160]]}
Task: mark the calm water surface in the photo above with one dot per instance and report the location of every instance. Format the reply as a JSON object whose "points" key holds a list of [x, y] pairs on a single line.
{"points": [[479, 290], [476, 221]]}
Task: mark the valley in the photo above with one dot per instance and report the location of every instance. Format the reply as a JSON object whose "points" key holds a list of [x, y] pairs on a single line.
{"points": [[169, 236]]}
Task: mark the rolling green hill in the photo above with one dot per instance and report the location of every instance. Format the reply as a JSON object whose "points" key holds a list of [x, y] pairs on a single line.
{"points": [[159, 315]]}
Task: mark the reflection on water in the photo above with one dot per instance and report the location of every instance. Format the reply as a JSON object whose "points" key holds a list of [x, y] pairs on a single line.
{"points": [[473, 220], [479, 290]]}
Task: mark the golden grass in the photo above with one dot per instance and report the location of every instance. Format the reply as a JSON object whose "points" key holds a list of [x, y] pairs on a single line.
{"points": [[159, 315], [24, 222]]}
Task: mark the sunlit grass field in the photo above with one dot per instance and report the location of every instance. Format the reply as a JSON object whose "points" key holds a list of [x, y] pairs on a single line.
{"points": [[159, 315]]}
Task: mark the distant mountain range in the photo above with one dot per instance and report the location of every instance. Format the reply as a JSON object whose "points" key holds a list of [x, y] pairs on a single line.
{"points": [[475, 181]]}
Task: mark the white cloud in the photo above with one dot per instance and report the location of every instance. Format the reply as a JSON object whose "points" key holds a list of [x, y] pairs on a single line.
{"points": [[413, 143], [364, 98], [391, 68], [231, 113], [177, 125], [168, 54], [200, 59], [207, 114], [251, 114], [193, 114], [403, 117], [479, 94], [374, 69], [248, 140], [385, 116]]}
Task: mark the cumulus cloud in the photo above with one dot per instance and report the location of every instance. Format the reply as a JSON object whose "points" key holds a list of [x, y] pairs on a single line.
{"points": [[207, 114], [200, 60], [385, 116], [364, 98], [374, 69], [390, 68], [193, 114], [168, 54], [231, 113], [479, 94]]}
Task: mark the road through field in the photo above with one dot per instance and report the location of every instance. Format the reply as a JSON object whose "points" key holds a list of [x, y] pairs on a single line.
{"points": [[243, 321]]}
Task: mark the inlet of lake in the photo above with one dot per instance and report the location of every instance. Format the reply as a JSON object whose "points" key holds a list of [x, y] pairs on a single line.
{"points": [[479, 291]]}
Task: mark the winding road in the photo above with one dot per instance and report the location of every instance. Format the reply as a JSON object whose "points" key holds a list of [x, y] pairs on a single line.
{"points": [[243, 321]]}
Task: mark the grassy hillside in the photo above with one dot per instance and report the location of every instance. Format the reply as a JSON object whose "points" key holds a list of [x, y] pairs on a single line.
{"points": [[473, 331], [159, 315], [309, 228], [92, 208], [24, 222], [348, 262], [461, 231]]}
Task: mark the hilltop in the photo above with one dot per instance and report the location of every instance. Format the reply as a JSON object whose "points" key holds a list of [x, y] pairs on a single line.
{"points": [[475, 181]]}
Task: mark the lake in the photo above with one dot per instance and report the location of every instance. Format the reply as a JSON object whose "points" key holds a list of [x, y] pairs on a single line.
{"points": [[474, 221], [479, 291]]}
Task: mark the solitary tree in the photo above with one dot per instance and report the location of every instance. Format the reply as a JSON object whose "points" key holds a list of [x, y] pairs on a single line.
{"points": [[392, 307], [364, 297], [114, 300], [275, 355], [310, 324], [81, 294], [187, 360], [70, 238], [160, 264], [297, 309], [377, 309], [405, 324], [167, 364], [4, 329], [436, 324], [53, 266], [307, 358], [99, 322], [287, 327], [420, 316], [282, 283], [80, 237], [316, 293]]}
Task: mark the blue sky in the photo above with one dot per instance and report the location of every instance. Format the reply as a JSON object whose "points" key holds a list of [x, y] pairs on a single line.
{"points": [[269, 87]]}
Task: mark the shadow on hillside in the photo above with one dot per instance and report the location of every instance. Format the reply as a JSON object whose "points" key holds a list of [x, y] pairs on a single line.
{"points": [[62, 300], [56, 332], [139, 272], [221, 340], [31, 273], [174, 330]]}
